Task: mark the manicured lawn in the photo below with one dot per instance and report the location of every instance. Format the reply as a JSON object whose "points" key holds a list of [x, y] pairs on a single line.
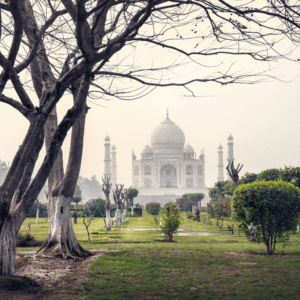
{"points": [[192, 267]]}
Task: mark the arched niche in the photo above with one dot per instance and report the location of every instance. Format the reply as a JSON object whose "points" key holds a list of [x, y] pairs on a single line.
{"points": [[168, 176]]}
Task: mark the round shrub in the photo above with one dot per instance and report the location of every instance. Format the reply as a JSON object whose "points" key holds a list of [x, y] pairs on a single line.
{"points": [[153, 208], [273, 207]]}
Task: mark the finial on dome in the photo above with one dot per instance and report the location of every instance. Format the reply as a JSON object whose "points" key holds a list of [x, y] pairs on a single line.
{"points": [[167, 113]]}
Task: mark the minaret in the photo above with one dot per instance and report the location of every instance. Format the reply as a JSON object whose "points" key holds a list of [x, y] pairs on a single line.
{"points": [[107, 157], [113, 166], [230, 152], [220, 165]]}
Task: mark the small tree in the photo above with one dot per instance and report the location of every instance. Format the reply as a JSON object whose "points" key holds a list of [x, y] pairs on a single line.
{"points": [[153, 209], [89, 221], [171, 221], [271, 206], [132, 193]]}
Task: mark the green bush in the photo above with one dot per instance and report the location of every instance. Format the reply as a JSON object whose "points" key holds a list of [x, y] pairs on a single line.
{"points": [[269, 175], [188, 200], [273, 207], [138, 211], [113, 211], [171, 204], [96, 207], [248, 178], [43, 211], [153, 208], [291, 175], [171, 220]]}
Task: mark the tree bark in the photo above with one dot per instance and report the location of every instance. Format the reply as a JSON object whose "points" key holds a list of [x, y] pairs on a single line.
{"points": [[61, 238], [38, 213], [108, 222], [8, 245], [124, 215]]}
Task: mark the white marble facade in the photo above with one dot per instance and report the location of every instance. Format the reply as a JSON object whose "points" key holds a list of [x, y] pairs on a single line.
{"points": [[167, 169]]}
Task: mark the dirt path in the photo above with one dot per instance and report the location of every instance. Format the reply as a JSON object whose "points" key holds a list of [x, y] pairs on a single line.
{"points": [[46, 278]]}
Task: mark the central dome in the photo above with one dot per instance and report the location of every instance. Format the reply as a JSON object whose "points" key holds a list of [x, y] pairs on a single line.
{"points": [[167, 135]]}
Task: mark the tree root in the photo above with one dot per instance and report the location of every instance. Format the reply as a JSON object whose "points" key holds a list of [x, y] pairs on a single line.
{"points": [[62, 249]]}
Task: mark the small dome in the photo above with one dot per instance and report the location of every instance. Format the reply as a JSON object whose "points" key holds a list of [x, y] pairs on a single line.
{"points": [[107, 138], [113, 147], [147, 149], [220, 147], [188, 149], [3, 164], [167, 134], [230, 137]]}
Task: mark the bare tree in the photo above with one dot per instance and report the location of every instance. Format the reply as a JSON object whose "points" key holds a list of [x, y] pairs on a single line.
{"points": [[234, 173], [118, 201], [106, 190], [125, 204], [70, 47], [91, 217]]}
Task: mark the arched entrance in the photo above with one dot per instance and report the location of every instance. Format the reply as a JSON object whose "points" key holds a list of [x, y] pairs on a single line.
{"points": [[168, 176]]}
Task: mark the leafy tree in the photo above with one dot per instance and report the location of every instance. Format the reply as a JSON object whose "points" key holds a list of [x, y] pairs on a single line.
{"points": [[132, 193], [269, 175], [91, 35], [171, 221], [273, 207], [43, 211], [248, 178], [95, 207], [220, 203], [153, 208], [291, 174], [221, 188], [188, 200]]}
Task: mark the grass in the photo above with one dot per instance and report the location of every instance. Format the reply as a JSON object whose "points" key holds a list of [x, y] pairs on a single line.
{"points": [[191, 267]]}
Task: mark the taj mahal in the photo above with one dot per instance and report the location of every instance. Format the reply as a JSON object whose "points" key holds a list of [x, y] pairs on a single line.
{"points": [[167, 168]]}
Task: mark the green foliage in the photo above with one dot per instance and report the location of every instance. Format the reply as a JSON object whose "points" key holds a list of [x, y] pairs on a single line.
{"points": [[273, 207], [96, 207], [171, 221], [43, 211], [171, 204], [138, 211], [153, 208], [220, 203], [269, 175], [132, 193], [219, 207], [248, 178], [188, 200], [292, 175], [221, 188]]}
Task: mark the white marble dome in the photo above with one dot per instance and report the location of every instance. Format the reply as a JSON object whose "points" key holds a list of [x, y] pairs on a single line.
{"points": [[167, 134], [147, 149], [188, 149]]}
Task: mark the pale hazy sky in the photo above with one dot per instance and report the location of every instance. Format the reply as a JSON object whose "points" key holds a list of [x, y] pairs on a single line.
{"points": [[262, 118]]}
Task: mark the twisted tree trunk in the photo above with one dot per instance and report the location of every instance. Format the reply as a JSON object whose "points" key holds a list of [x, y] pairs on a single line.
{"points": [[61, 239]]}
